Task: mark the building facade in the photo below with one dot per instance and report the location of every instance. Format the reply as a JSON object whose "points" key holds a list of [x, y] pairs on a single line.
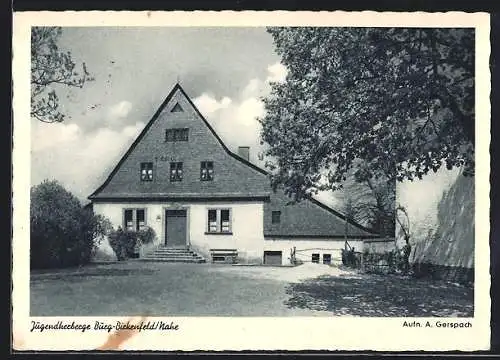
{"points": [[180, 179]]}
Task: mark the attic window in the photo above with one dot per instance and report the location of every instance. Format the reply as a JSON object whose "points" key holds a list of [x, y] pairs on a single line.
{"points": [[147, 171], [207, 171], [177, 108], [176, 135], [175, 171]]}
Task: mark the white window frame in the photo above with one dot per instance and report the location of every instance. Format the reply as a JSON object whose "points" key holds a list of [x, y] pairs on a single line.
{"points": [[178, 171], [218, 228], [206, 173], [147, 171], [136, 226]]}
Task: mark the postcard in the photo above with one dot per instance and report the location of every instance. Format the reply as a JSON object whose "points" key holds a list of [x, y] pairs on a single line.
{"points": [[187, 181]]}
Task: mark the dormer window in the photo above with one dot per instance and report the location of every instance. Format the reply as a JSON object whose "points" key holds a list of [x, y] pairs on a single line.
{"points": [[147, 171], [173, 135], [175, 171], [207, 171]]}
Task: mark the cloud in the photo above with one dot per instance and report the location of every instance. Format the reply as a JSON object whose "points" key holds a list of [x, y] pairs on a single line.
{"points": [[80, 157], [254, 88], [80, 161], [120, 110], [208, 104], [277, 72], [46, 136], [248, 111], [235, 118]]}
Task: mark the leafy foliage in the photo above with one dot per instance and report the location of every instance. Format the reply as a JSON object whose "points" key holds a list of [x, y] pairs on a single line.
{"points": [[50, 68], [370, 202], [393, 262], [126, 242], [146, 235], [123, 243], [388, 262], [351, 258], [63, 233], [390, 103]]}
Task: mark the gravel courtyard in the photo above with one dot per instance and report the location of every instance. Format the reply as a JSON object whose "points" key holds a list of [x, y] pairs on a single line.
{"points": [[169, 289]]}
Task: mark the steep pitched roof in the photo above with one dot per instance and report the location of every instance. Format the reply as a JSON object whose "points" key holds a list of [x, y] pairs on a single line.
{"points": [[144, 131]]}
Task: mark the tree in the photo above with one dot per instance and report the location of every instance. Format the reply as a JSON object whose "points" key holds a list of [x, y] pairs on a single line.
{"points": [[389, 103], [371, 202], [404, 227], [62, 232], [51, 68]]}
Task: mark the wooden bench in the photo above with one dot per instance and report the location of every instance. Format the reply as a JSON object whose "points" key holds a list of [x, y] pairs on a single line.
{"points": [[227, 256]]}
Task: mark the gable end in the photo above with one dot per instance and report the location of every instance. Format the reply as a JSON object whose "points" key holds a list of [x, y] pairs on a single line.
{"points": [[151, 122]]}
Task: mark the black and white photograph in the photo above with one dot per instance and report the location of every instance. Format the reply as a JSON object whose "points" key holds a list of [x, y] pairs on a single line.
{"points": [[294, 173]]}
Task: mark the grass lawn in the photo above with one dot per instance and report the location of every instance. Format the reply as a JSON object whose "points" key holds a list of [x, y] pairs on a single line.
{"points": [[165, 289]]}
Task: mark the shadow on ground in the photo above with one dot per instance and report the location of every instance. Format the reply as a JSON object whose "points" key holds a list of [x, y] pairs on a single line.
{"points": [[383, 296]]}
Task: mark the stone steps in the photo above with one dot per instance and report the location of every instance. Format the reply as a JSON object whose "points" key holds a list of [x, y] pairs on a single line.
{"points": [[174, 255]]}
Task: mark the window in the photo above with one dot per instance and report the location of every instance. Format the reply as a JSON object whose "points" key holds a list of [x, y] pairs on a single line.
{"points": [[176, 135], [315, 258], [207, 171], [134, 219], [175, 171], [327, 258], [276, 217], [219, 221], [147, 171], [212, 220], [177, 108], [224, 221]]}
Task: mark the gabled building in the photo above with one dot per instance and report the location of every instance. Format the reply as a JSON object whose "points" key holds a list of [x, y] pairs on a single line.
{"points": [[180, 179]]}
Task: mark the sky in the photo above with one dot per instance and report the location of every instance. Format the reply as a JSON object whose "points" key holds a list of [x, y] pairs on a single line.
{"points": [[225, 71]]}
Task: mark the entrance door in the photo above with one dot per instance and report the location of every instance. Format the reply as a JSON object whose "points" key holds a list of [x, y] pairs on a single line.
{"points": [[175, 225], [272, 257]]}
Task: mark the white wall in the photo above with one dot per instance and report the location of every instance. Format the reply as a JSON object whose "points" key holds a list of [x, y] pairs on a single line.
{"points": [[247, 229], [420, 199], [304, 248], [114, 212], [247, 225]]}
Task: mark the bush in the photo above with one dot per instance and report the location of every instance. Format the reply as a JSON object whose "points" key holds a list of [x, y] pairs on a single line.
{"points": [[123, 243], [351, 259], [395, 261], [146, 235], [62, 232]]}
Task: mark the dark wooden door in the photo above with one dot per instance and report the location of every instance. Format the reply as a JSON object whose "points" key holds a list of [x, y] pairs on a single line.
{"points": [[176, 227], [272, 257]]}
